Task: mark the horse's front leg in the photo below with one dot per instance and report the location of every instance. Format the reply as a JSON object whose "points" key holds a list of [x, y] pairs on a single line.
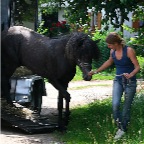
{"points": [[60, 112], [63, 121], [67, 112]]}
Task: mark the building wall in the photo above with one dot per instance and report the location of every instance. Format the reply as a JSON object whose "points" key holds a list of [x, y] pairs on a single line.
{"points": [[60, 15]]}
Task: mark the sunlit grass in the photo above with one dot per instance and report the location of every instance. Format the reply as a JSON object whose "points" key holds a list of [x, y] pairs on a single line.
{"points": [[93, 124]]}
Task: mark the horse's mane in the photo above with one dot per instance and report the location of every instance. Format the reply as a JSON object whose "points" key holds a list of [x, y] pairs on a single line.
{"points": [[81, 43]]}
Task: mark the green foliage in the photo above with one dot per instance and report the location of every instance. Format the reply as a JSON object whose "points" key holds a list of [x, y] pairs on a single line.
{"points": [[137, 44], [104, 50], [78, 75], [139, 12], [142, 71], [55, 29], [141, 62], [24, 10], [50, 6], [93, 124], [77, 9], [59, 28], [42, 30], [79, 26], [138, 41]]}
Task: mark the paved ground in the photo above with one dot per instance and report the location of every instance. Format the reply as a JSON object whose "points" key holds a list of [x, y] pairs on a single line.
{"points": [[82, 92]]}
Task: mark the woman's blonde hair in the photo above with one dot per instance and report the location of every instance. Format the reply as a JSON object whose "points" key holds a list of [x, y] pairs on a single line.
{"points": [[113, 38]]}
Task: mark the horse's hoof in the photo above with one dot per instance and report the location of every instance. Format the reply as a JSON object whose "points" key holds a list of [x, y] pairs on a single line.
{"points": [[62, 126], [62, 129], [10, 103]]}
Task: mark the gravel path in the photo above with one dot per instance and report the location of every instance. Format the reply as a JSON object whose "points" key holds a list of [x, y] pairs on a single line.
{"points": [[82, 92]]}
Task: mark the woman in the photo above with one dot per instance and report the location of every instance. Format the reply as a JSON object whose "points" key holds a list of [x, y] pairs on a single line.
{"points": [[127, 67]]}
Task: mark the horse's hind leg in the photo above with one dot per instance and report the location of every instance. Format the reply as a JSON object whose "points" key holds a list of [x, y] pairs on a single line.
{"points": [[37, 97], [5, 85]]}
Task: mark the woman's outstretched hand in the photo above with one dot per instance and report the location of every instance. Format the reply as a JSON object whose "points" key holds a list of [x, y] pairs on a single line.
{"points": [[92, 73]]}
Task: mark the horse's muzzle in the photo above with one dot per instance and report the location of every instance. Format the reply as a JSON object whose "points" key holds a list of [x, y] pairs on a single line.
{"points": [[85, 68], [87, 77]]}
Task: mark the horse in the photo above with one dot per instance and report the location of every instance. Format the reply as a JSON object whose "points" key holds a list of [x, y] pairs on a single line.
{"points": [[53, 58]]}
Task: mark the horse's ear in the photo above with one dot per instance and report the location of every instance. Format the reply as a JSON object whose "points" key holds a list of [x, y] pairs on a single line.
{"points": [[80, 39], [80, 42], [97, 41]]}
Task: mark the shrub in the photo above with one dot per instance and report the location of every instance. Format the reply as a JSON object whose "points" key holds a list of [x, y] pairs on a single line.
{"points": [[59, 28], [105, 52], [42, 30], [141, 62], [142, 71], [54, 30]]}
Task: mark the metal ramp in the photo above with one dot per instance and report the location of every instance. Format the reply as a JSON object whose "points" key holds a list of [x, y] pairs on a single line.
{"points": [[39, 125]]}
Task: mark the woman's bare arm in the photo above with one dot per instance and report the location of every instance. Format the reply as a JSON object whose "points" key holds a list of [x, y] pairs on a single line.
{"points": [[131, 54], [105, 65]]}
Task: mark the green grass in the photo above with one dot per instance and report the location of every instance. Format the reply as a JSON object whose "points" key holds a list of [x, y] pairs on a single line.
{"points": [[93, 124]]}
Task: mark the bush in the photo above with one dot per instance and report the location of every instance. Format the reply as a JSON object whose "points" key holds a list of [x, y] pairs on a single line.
{"points": [[141, 62], [59, 28], [54, 30], [142, 71], [42, 30], [104, 50], [138, 41]]}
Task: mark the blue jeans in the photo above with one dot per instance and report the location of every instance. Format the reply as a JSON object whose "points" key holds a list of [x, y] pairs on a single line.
{"points": [[121, 113]]}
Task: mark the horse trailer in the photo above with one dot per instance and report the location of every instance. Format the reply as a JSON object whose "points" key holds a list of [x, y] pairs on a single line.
{"points": [[28, 91]]}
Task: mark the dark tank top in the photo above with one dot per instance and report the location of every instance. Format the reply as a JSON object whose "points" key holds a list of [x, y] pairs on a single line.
{"points": [[124, 65]]}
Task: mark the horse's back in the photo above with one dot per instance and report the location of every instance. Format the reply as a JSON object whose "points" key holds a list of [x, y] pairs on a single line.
{"points": [[42, 55]]}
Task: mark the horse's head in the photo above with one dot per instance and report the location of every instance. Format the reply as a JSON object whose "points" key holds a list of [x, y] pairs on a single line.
{"points": [[82, 51]]}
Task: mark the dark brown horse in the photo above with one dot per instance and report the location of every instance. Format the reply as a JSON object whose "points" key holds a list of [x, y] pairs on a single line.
{"points": [[54, 59]]}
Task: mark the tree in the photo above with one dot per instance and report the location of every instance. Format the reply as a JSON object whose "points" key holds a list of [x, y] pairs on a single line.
{"points": [[116, 12], [24, 11], [137, 41]]}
